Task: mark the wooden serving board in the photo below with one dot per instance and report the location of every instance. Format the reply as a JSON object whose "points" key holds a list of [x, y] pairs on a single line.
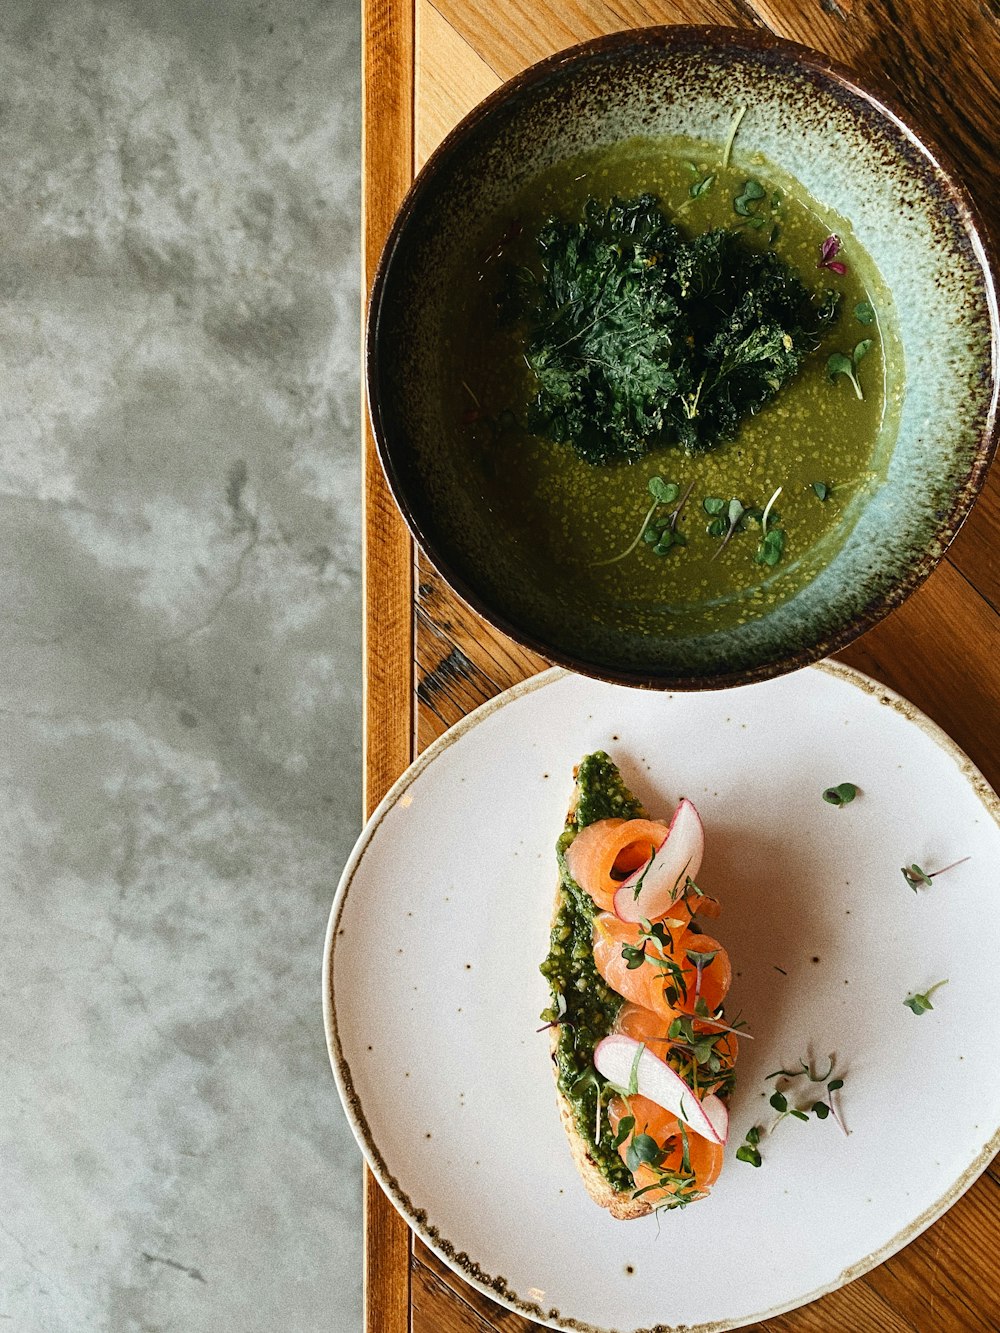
{"points": [[429, 660]]}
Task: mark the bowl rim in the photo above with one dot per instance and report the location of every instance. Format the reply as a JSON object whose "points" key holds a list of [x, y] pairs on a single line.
{"points": [[713, 38]]}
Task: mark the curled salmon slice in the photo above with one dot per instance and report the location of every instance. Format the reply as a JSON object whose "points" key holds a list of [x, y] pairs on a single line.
{"points": [[667, 983], [653, 1031], [605, 853], [704, 1157]]}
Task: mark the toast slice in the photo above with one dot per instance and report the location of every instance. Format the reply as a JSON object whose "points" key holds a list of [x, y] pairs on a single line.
{"points": [[598, 793]]}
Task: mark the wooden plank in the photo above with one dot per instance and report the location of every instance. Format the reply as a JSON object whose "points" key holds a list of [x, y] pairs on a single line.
{"points": [[509, 36], [976, 549], [461, 662], [387, 154], [386, 1263], [437, 1309], [856, 1306], [935, 649], [939, 651], [450, 80], [945, 1281], [431, 1274]]}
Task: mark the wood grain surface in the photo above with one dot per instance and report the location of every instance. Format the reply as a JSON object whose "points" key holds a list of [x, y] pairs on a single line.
{"points": [[429, 659], [387, 564]]}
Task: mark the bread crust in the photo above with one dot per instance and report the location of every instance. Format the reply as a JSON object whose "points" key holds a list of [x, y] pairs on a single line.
{"points": [[619, 1204]]}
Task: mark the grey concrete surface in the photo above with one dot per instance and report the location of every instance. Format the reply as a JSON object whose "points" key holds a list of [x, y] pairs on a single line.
{"points": [[179, 660]]}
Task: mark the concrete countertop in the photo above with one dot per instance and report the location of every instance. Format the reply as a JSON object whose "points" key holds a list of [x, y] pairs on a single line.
{"points": [[180, 678]]}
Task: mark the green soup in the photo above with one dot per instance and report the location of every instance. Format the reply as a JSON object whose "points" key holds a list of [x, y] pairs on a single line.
{"points": [[825, 447]]}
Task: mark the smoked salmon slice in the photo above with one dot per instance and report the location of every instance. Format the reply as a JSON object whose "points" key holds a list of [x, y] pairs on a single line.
{"points": [[603, 854], [667, 980], [682, 1173]]}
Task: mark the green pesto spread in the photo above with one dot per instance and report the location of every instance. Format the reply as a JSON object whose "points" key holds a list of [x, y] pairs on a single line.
{"points": [[583, 1006]]}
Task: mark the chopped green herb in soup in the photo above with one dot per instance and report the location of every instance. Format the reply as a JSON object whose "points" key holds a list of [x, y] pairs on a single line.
{"points": [[671, 376]]}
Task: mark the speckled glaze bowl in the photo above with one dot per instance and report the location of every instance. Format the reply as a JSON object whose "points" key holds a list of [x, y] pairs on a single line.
{"points": [[814, 123]]}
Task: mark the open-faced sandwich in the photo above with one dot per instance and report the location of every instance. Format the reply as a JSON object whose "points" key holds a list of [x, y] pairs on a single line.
{"points": [[642, 1050]]}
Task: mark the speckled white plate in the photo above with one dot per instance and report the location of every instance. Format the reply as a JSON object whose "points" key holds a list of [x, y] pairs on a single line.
{"points": [[432, 991]]}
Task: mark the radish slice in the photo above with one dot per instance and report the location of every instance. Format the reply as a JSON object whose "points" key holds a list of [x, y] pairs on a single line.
{"points": [[661, 882], [614, 1058]]}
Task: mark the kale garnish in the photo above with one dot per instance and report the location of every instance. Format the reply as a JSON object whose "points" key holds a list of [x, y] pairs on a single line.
{"points": [[638, 336]]}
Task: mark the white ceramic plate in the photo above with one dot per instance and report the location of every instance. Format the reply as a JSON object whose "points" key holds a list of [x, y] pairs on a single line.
{"points": [[432, 991]]}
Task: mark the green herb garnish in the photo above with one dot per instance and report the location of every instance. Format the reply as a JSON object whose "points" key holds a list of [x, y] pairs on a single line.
{"points": [[921, 1002], [638, 337], [625, 1128], [732, 523], [752, 191], [864, 313], [660, 533], [701, 960], [843, 794], [772, 543], [821, 489], [822, 1109], [918, 878], [702, 186], [748, 1150], [643, 1151], [634, 957], [840, 364], [770, 550]]}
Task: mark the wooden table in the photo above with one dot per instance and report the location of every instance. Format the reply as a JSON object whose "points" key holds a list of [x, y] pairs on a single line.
{"points": [[429, 659]]}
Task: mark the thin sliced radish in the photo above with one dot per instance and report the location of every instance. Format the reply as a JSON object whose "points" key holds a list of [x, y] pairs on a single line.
{"points": [[650, 892], [615, 1056]]}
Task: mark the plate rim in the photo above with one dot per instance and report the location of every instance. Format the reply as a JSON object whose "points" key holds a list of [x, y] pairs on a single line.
{"points": [[468, 1268]]}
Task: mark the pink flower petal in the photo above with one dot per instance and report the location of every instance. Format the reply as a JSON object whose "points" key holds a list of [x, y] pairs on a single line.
{"points": [[835, 266]]}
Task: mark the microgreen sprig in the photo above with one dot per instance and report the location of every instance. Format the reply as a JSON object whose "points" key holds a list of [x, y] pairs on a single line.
{"points": [[591, 1079], [625, 1128], [634, 956], [780, 1103], [864, 313], [745, 204], [921, 1001], [663, 492], [842, 364], [701, 186], [644, 1151], [701, 961], [822, 490], [772, 543], [918, 878], [841, 795], [735, 515], [683, 1027], [642, 878], [821, 1109], [748, 1150]]}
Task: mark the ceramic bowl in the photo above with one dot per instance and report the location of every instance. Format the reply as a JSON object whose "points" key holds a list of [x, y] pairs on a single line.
{"points": [[813, 123]]}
